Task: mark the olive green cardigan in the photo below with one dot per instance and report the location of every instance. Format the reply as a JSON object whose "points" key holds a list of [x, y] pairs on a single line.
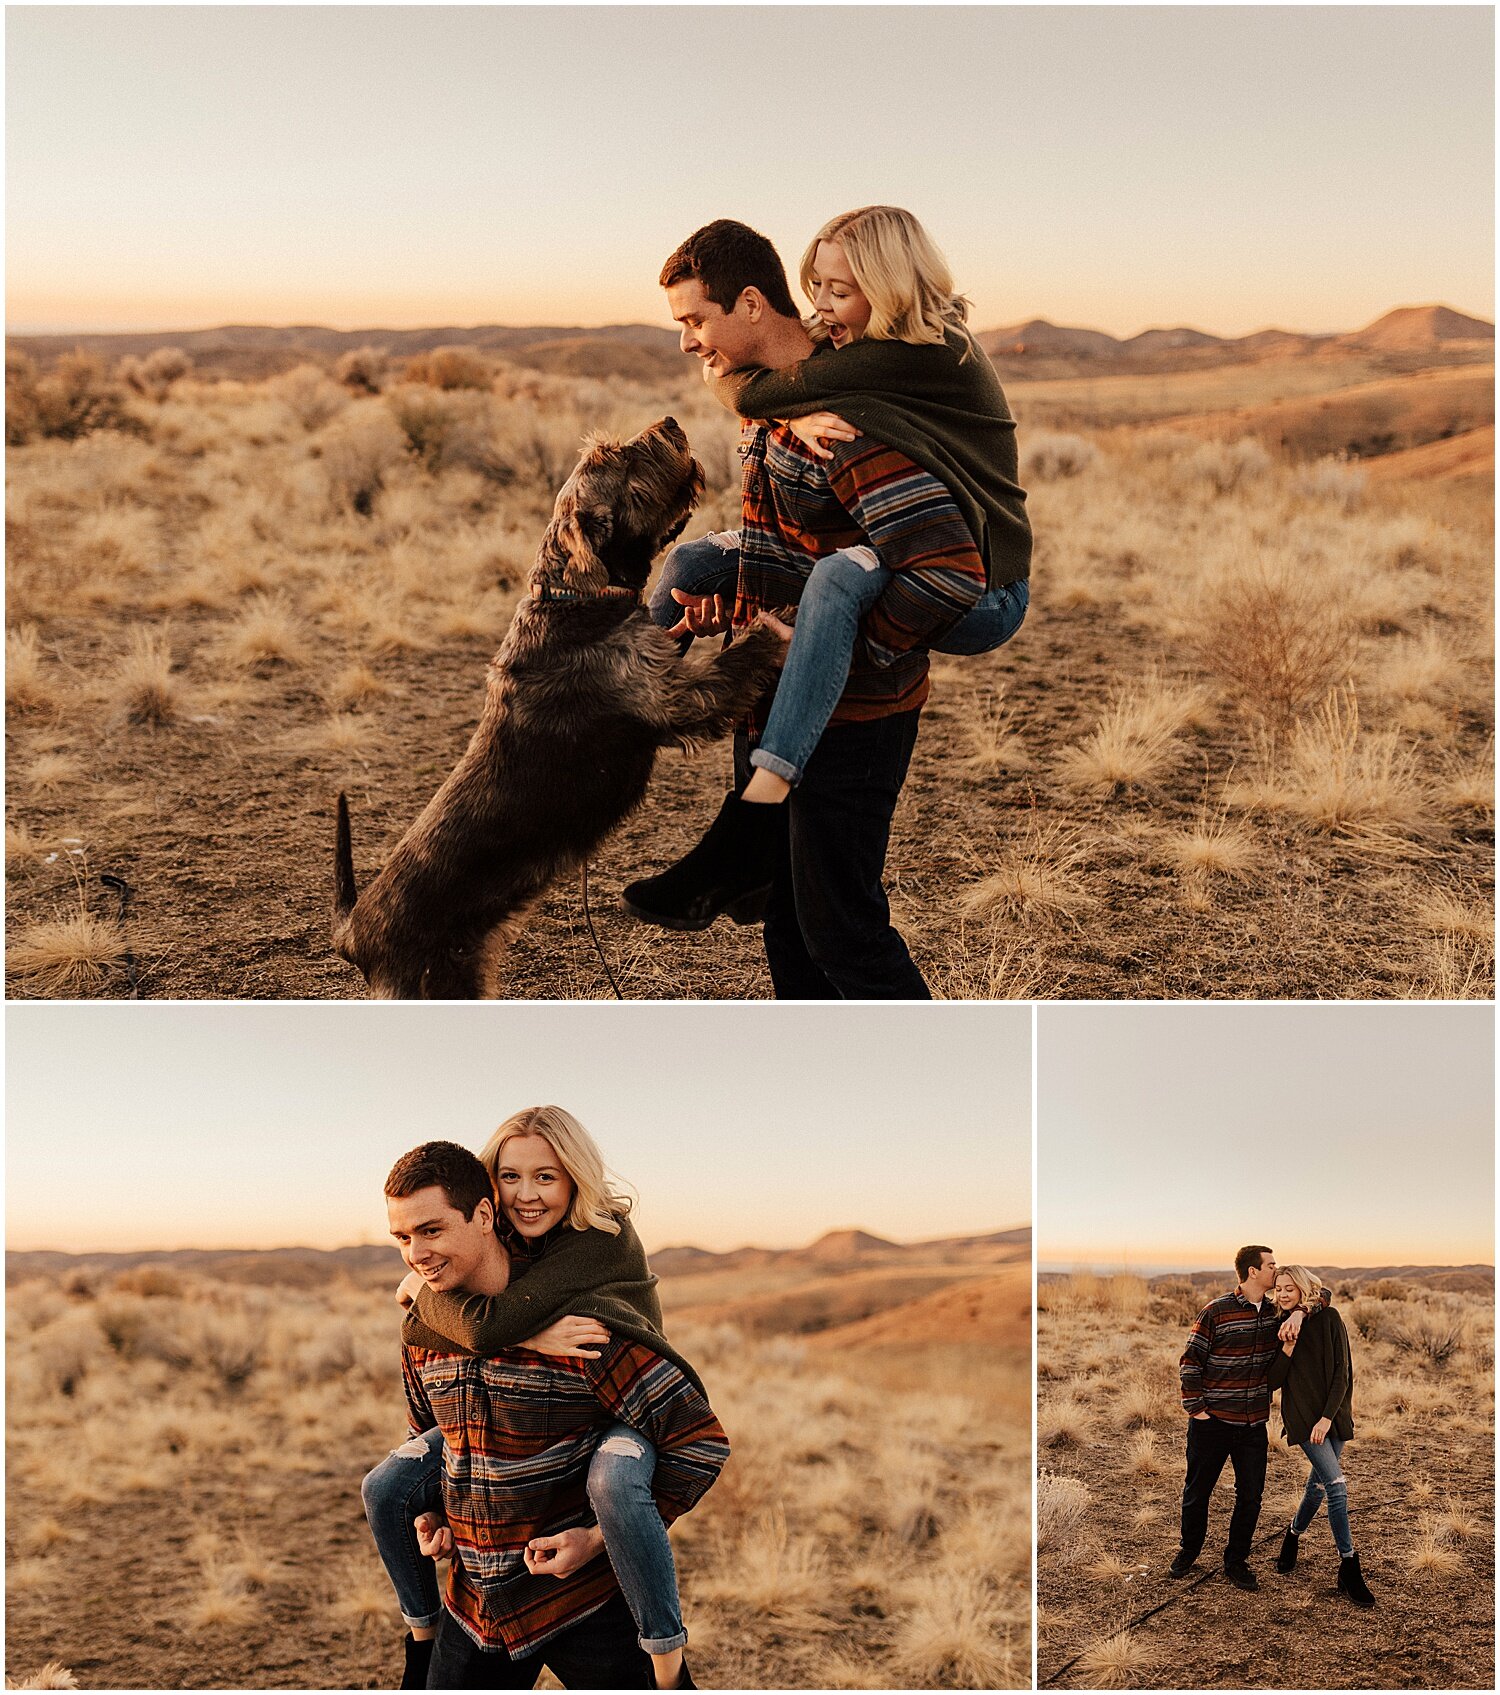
{"points": [[942, 407], [588, 1273], [1316, 1379]]}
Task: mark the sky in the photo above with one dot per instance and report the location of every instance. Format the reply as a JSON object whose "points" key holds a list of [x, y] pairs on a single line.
{"points": [[1167, 1137], [274, 1125], [1120, 168]]}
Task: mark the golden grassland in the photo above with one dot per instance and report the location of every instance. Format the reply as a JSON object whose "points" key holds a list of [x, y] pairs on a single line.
{"points": [[184, 1458], [1242, 746], [1421, 1499]]}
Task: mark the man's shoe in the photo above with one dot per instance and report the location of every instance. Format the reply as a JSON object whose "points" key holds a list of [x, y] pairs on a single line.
{"points": [[418, 1658], [1352, 1582], [1287, 1558], [1241, 1576], [1182, 1564], [729, 871]]}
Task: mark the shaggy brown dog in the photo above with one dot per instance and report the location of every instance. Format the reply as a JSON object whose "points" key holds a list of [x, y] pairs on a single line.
{"points": [[582, 693]]}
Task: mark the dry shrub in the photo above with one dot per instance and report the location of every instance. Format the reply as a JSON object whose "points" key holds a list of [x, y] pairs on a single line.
{"points": [[310, 395], [1436, 1336], [1048, 457], [1061, 1505], [143, 685], [1037, 877], [1346, 779], [153, 376], [53, 1675], [1333, 482], [66, 956], [1214, 848], [356, 452], [447, 431], [953, 1633], [1277, 635], [1449, 914], [1226, 465], [1135, 741], [363, 369], [76, 399], [990, 729], [450, 368], [1113, 1661], [28, 683], [267, 633], [1387, 1289]]}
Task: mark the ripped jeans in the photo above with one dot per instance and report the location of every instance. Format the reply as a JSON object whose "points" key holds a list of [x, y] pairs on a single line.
{"points": [[840, 590], [1326, 1481], [409, 1481]]}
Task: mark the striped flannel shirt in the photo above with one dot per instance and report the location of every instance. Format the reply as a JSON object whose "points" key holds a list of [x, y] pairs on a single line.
{"points": [[798, 508], [519, 1430], [1228, 1355]]}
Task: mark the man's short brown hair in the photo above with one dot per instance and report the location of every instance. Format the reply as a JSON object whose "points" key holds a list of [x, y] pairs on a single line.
{"points": [[727, 258], [1248, 1260], [446, 1166]]}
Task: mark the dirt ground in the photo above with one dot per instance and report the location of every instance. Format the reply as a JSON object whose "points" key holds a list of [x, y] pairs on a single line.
{"points": [[1421, 1498]]}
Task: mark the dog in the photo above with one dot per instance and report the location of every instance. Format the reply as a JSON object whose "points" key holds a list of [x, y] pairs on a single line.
{"points": [[582, 693]]}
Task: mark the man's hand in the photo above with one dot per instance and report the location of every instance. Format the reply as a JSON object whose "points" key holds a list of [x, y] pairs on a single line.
{"points": [[1201, 1415], [772, 622], [1293, 1326], [570, 1337], [410, 1285], [434, 1537], [1321, 1429], [560, 1555], [703, 614], [817, 429]]}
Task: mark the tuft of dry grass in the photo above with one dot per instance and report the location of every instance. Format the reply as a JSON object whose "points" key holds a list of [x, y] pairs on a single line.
{"points": [[1449, 914], [143, 685], [53, 1675], [1214, 847], [268, 633], [353, 685], [1113, 1662], [1433, 1556], [30, 684], [66, 956], [1136, 740], [1061, 1506], [52, 770], [1037, 877], [953, 1633], [994, 743]]}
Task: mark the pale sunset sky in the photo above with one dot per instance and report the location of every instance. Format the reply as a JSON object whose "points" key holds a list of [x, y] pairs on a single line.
{"points": [[1338, 1135], [1116, 167], [263, 1126]]}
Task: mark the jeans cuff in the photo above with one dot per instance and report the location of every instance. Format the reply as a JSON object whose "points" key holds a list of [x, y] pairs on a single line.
{"points": [[424, 1621], [783, 769], [663, 1644]]}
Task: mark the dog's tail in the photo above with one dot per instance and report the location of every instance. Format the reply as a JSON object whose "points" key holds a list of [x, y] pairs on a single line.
{"points": [[344, 891]]}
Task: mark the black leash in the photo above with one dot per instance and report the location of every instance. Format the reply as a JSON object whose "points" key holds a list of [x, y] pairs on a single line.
{"points": [[589, 920], [124, 890]]}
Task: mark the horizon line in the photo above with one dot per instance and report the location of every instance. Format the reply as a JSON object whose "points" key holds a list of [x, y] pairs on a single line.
{"points": [[632, 324]]}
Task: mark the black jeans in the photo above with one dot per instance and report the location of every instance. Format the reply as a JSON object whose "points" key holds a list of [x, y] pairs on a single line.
{"points": [[1210, 1442], [599, 1652], [828, 933]]}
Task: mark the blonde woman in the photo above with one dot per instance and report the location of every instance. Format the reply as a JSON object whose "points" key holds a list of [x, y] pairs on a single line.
{"points": [[893, 358], [579, 1277], [1316, 1378]]}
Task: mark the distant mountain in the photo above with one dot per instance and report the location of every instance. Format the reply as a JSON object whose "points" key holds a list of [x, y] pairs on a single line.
{"points": [[850, 1248], [1470, 1279], [1419, 327]]}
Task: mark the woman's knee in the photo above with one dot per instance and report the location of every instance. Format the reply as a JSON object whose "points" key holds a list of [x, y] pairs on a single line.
{"points": [[387, 1487], [620, 1473], [838, 579]]}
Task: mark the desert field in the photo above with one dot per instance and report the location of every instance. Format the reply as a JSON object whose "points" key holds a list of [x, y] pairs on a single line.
{"points": [[1247, 721], [1421, 1499], [186, 1437]]}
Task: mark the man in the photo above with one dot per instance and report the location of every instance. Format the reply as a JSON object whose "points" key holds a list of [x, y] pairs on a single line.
{"points": [[527, 1587], [1228, 1402], [828, 933]]}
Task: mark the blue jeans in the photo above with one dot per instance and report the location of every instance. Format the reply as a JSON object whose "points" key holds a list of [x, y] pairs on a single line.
{"points": [[840, 590], [1326, 1481], [408, 1482]]}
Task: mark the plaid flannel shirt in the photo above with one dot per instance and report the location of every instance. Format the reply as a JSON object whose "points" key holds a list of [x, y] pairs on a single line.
{"points": [[519, 1430], [797, 508]]}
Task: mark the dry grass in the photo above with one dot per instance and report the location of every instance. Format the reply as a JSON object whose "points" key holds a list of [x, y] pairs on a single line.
{"points": [[143, 686], [1038, 877], [1114, 1662], [66, 955]]}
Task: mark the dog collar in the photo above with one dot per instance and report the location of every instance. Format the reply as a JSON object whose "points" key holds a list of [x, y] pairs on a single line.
{"points": [[611, 591]]}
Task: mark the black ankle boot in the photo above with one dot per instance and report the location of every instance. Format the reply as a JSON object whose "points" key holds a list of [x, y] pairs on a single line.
{"points": [[729, 871], [1287, 1558], [418, 1658], [1352, 1582]]}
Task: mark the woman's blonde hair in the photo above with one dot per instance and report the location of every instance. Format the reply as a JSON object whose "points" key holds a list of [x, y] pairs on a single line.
{"points": [[1309, 1284], [597, 1203], [902, 272]]}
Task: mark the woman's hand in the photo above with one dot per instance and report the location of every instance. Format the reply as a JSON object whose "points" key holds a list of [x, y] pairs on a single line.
{"points": [[434, 1537], [411, 1284], [570, 1338], [818, 429], [1321, 1429]]}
